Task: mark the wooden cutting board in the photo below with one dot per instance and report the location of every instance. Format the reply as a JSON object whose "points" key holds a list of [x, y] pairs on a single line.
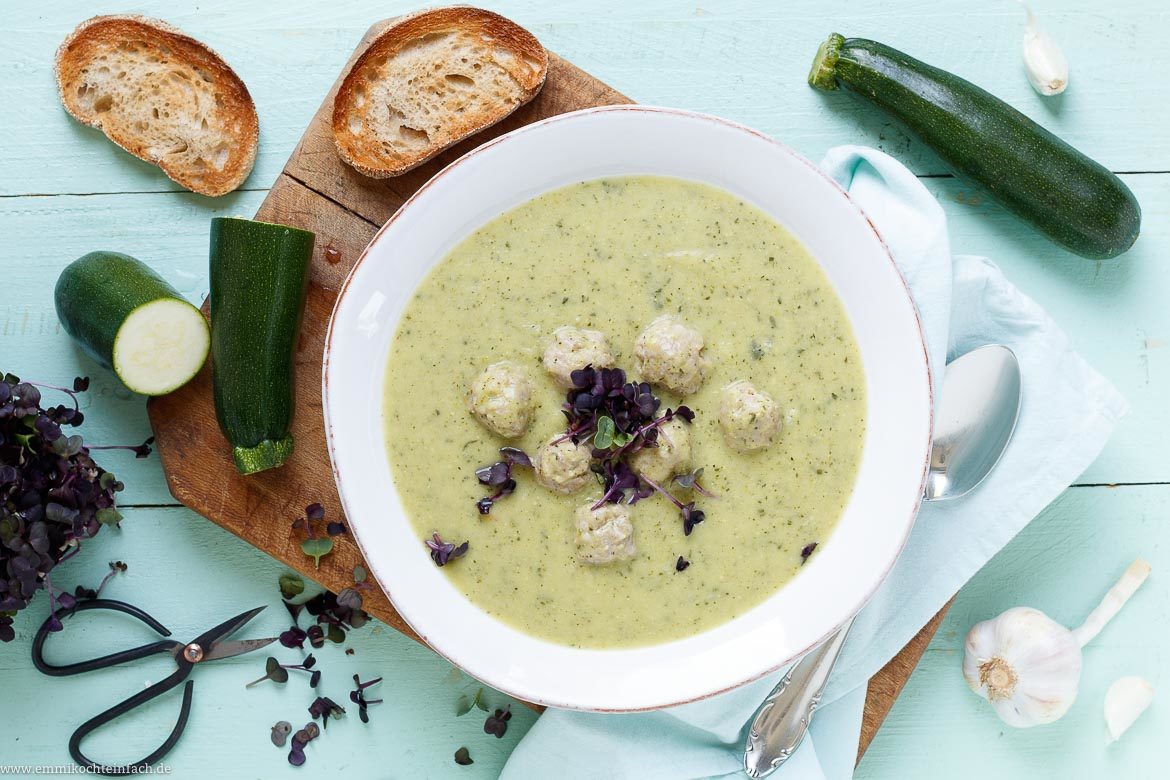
{"points": [[318, 192]]}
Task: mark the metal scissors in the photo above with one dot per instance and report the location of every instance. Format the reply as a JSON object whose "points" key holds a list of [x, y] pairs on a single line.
{"points": [[208, 646]]}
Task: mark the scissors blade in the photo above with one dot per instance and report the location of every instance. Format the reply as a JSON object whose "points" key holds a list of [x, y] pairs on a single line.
{"points": [[208, 640], [236, 647]]}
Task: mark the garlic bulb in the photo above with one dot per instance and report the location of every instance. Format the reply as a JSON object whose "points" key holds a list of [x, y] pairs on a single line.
{"points": [[1028, 666], [1125, 701], [1044, 62]]}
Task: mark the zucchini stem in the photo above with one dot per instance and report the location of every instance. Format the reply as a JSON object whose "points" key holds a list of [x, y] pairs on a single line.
{"points": [[823, 74], [268, 454]]}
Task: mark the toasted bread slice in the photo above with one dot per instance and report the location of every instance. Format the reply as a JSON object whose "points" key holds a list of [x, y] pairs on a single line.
{"points": [[162, 96], [430, 80]]}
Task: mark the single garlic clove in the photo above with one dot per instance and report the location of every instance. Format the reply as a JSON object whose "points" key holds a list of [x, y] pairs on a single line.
{"points": [[1124, 702], [1025, 664], [1044, 62]]}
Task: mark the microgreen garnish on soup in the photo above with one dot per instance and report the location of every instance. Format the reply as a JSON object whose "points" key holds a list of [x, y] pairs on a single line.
{"points": [[806, 551], [499, 476], [681, 564], [442, 552]]}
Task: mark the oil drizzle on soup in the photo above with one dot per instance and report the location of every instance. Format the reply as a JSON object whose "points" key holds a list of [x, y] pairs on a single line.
{"points": [[612, 255]]}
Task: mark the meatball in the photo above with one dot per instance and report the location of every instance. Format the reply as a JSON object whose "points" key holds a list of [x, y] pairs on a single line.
{"points": [[604, 535], [562, 466], [750, 418], [670, 354], [671, 456], [501, 399], [573, 348]]}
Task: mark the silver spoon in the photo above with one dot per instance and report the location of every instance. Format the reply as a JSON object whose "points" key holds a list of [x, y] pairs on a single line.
{"points": [[977, 413]]}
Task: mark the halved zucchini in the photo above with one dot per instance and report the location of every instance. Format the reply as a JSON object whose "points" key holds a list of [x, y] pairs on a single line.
{"points": [[127, 318]]}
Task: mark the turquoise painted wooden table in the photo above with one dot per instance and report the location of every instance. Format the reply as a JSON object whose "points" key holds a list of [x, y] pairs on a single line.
{"points": [[65, 191]]}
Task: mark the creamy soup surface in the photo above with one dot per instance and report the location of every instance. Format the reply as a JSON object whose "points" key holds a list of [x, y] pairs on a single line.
{"points": [[612, 255]]}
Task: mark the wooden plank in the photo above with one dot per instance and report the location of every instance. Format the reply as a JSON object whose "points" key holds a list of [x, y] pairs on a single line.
{"points": [[886, 686]]}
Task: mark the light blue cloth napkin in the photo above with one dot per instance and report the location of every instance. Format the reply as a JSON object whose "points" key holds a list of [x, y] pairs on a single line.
{"points": [[1068, 412]]}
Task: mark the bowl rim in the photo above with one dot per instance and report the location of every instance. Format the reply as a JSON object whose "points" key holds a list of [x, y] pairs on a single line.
{"points": [[635, 108]]}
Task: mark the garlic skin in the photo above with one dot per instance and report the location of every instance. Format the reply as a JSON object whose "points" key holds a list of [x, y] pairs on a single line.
{"points": [[1125, 701], [1044, 62], [1025, 664]]}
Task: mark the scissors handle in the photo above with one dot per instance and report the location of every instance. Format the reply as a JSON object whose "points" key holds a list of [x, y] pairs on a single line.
{"points": [[113, 659], [137, 700]]}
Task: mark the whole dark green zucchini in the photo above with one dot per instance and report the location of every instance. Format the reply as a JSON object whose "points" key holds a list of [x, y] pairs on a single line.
{"points": [[1073, 200], [259, 275]]}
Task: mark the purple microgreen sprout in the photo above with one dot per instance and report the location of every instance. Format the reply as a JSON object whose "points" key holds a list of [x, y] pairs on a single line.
{"points": [[516, 457], [463, 757], [140, 451], [314, 546], [294, 637], [358, 696], [317, 549], [806, 551], [466, 705], [681, 564], [690, 481], [296, 753], [350, 599], [690, 515], [334, 528], [272, 671], [499, 476], [442, 552], [497, 722], [278, 672], [291, 586], [116, 567], [325, 708], [280, 731]]}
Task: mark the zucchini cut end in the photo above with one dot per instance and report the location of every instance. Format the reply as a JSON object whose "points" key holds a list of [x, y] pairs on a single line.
{"points": [[160, 346], [823, 74], [268, 454]]}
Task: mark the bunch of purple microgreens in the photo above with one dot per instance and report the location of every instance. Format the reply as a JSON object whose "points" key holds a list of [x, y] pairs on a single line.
{"points": [[618, 418], [52, 495]]}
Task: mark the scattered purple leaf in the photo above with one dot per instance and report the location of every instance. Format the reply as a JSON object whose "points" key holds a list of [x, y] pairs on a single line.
{"points": [[443, 552], [806, 551], [497, 723]]}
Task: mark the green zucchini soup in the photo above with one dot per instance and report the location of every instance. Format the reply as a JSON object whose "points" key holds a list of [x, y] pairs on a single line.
{"points": [[738, 359]]}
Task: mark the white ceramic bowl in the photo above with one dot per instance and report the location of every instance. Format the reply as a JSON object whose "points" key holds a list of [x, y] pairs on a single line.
{"points": [[504, 173]]}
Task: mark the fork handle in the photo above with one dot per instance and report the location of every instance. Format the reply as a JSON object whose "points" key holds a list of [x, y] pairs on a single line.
{"points": [[782, 721]]}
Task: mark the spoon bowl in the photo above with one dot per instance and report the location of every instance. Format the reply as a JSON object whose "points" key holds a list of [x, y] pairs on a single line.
{"points": [[977, 412]]}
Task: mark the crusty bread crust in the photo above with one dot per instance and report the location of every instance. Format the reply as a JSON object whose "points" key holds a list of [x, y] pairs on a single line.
{"points": [[234, 114], [523, 59]]}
